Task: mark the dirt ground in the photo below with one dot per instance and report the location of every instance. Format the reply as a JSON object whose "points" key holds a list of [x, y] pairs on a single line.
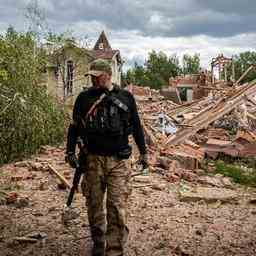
{"points": [[160, 222]]}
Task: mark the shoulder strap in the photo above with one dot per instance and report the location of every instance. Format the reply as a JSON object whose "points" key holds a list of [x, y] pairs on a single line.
{"points": [[95, 104], [119, 104]]}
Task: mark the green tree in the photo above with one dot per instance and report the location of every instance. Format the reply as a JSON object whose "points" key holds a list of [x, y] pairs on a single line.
{"points": [[29, 118], [161, 67], [242, 62], [191, 64], [156, 71], [140, 76]]}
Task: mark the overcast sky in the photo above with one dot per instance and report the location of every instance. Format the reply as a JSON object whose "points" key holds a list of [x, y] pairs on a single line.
{"points": [[136, 27]]}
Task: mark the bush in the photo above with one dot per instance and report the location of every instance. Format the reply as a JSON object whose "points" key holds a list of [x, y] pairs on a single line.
{"points": [[29, 117], [244, 176]]}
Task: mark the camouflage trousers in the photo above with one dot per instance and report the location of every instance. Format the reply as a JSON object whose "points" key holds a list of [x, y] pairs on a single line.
{"points": [[110, 177]]}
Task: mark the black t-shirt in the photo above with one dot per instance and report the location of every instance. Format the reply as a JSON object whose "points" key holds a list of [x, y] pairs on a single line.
{"points": [[104, 142]]}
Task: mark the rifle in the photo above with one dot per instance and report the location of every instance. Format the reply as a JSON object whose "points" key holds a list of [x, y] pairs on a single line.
{"points": [[77, 177]]}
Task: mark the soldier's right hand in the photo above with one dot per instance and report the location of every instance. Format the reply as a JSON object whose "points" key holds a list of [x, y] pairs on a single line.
{"points": [[72, 159]]}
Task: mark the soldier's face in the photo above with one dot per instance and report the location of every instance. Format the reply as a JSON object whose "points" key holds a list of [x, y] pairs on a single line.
{"points": [[101, 81]]}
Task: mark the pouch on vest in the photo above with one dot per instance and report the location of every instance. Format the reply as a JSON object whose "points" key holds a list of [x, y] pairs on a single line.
{"points": [[125, 153]]}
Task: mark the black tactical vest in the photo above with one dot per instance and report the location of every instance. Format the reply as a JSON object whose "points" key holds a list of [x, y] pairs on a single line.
{"points": [[108, 118]]}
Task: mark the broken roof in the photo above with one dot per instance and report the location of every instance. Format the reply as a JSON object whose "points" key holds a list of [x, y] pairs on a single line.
{"points": [[102, 43], [103, 50], [106, 54]]}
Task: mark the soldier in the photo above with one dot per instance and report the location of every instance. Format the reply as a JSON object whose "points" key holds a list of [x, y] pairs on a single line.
{"points": [[104, 116]]}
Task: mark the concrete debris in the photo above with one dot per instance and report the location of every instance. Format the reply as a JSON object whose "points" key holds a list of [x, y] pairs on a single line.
{"points": [[69, 214], [209, 195], [31, 238], [213, 181], [37, 235], [22, 202], [21, 164], [3, 201], [11, 197], [244, 145], [188, 132], [37, 166]]}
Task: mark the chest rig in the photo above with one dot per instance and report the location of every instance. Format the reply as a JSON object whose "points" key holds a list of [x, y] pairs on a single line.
{"points": [[107, 116]]}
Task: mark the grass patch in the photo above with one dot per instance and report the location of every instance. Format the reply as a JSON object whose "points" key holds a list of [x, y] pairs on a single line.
{"points": [[242, 175]]}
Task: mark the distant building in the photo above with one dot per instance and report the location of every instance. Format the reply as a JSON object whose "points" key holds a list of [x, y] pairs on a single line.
{"points": [[103, 50], [190, 87], [65, 71], [64, 77]]}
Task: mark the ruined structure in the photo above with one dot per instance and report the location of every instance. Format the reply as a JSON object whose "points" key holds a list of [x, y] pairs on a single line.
{"points": [[64, 77]]}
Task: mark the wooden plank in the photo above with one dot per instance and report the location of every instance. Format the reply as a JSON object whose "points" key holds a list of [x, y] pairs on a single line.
{"points": [[244, 74], [251, 99], [59, 176], [221, 109]]}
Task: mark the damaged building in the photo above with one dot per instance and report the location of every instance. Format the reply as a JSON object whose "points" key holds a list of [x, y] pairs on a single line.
{"points": [[64, 77]]}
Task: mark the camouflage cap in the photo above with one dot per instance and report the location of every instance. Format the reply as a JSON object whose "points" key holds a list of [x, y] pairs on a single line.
{"points": [[98, 67]]}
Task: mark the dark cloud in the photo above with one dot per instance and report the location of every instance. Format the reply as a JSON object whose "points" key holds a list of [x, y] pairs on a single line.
{"points": [[166, 18], [241, 7]]}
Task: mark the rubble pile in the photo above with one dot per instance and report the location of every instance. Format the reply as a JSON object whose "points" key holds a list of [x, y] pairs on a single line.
{"points": [[180, 137]]}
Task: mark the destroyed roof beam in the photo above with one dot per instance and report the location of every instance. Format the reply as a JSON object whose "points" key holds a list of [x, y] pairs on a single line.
{"points": [[245, 73], [220, 109]]}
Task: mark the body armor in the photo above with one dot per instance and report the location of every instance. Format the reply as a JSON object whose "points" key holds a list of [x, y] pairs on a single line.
{"points": [[109, 117]]}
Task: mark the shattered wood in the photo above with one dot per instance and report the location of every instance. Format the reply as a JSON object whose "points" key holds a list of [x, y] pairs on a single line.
{"points": [[212, 122]]}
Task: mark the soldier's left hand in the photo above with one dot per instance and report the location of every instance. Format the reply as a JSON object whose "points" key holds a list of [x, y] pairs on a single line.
{"points": [[72, 160]]}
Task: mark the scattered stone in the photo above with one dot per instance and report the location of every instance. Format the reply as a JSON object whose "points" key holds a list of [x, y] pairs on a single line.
{"points": [[61, 185], [3, 201], [146, 191], [160, 170], [30, 176], [209, 195], [218, 175], [37, 235], [160, 186], [46, 149], [199, 232], [43, 185], [22, 164], [211, 167], [180, 250], [69, 214], [36, 166], [11, 197], [164, 162], [252, 201], [53, 209], [142, 179], [227, 183], [212, 181], [189, 176], [173, 178], [61, 162], [199, 172], [67, 173], [22, 202], [174, 166], [170, 204], [38, 214], [23, 240], [16, 178], [30, 238]]}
